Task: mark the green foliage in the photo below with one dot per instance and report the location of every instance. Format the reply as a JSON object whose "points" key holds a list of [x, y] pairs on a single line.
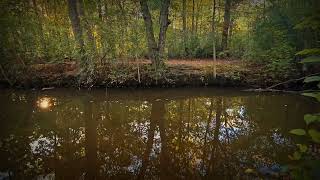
{"points": [[223, 54], [311, 59], [302, 147], [195, 46], [284, 28], [314, 95], [312, 79], [299, 132], [271, 44], [315, 135], [307, 162], [268, 34], [310, 22], [313, 51], [309, 118]]}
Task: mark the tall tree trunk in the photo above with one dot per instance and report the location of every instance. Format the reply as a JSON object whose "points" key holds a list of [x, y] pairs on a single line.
{"points": [[226, 25], [152, 45], [184, 25], [214, 39], [198, 16], [156, 51], [193, 17], [231, 27], [75, 22], [164, 23]]}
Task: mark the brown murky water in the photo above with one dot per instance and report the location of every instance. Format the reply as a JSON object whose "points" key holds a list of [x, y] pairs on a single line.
{"points": [[185, 133]]}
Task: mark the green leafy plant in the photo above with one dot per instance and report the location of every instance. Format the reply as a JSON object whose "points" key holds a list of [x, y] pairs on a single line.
{"points": [[305, 162]]}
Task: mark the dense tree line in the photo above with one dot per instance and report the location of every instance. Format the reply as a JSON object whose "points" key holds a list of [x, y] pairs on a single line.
{"points": [[268, 31]]}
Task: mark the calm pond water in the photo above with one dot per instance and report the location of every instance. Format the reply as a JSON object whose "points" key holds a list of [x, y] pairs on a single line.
{"points": [[185, 133]]}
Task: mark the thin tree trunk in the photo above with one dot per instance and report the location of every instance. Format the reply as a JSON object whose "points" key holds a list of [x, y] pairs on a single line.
{"points": [[193, 17], [231, 26], [198, 15], [184, 25], [226, 25], [214, 40]]}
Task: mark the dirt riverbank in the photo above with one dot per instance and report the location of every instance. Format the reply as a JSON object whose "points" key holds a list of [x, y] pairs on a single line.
{"points": [[195, 72]]}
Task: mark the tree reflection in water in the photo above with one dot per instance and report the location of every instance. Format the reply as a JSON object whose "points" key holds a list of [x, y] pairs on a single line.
{"points": [[93, 136]]}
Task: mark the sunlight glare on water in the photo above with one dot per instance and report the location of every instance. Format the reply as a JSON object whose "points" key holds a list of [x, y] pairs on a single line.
{"points": [[45, 103]]}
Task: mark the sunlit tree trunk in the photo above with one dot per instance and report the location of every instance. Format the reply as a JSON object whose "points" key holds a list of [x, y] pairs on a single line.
{"points": [[226, 25]]}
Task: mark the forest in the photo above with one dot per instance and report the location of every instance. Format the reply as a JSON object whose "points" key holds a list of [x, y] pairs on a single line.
{"points": [[159, 89], [109, 43]]}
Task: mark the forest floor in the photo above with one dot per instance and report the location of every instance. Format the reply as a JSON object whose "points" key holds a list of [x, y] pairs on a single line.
{"points": [[195, 62], [125, 73]]}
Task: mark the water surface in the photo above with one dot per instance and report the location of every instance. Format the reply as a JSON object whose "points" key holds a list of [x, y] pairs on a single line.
{"points": [[185, 133]]}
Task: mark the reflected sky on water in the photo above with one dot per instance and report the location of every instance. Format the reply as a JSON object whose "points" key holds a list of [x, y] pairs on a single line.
{"points": [[184, 133]]}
